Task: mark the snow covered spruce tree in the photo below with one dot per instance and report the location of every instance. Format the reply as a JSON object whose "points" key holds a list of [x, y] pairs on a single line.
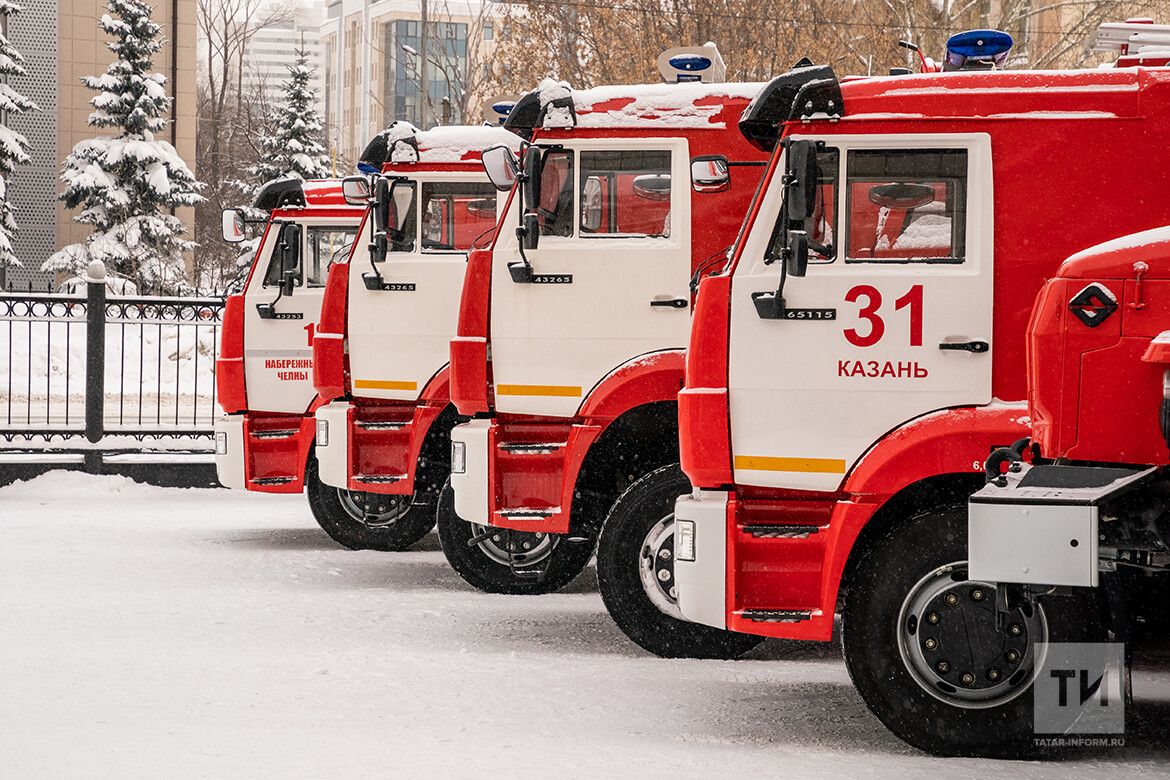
{"points": [[127, 184], [13, 145], [292, 146]]}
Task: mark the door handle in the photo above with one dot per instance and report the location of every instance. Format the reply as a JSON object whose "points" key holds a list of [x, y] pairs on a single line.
{"points": [[964, 346], [672, 303]]}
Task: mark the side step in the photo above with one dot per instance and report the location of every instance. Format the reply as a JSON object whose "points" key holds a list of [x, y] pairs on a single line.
{"points": [[781, 531], [777, 615], [286, 433], [531, 448], [272, 480], [379, 479], [528, 514], [381, 425]]}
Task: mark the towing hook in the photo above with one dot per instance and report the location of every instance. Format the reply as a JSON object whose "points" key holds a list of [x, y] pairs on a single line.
{"points": [[1013, 455]]}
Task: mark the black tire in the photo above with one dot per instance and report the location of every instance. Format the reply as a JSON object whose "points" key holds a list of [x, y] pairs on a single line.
{"points": [[897, 564], [560, 559], [340, 518], [646, 508]]}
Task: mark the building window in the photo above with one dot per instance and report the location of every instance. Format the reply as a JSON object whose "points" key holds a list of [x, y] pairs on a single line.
{"points": [[446, 70], [489, 31]]}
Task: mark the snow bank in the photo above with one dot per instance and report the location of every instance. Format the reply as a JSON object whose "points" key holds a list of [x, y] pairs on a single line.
{"points": [[77, 485]]}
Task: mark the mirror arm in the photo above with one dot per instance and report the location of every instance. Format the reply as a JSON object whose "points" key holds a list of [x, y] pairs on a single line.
{"points": [[373, 281], [770, 305]]}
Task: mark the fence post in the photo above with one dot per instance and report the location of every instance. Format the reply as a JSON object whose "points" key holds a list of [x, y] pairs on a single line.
{"points": [[95, 361]]}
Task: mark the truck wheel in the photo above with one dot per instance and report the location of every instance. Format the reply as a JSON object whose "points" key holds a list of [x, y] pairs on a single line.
{"points": [[635, 572], [501, 561], [923, 647], [367, 521]]}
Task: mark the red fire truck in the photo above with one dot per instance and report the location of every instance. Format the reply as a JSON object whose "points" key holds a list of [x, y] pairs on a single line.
{"points": [[571, 335], [380, 352], [1080, 536], [861, 355], [264, 366]]}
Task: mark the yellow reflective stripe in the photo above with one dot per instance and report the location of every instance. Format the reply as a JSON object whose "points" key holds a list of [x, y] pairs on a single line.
{"points": [[559, 391], [804, 465], [383, 384]]}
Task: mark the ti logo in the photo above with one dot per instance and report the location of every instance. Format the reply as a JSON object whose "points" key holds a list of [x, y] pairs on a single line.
{"points": [[1093, 305], [1080, 689]]}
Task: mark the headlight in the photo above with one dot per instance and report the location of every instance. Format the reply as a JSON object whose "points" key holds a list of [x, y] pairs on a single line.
{"points": [[684, 540], [221, 442], [322, 433], [458, 457]]}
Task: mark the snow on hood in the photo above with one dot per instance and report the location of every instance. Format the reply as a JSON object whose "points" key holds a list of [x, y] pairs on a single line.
{"points": [[398, 142]]}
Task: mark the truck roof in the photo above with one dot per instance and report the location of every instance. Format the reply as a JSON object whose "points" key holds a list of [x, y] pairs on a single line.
{"points": [[644, 107], [1004, 94]]}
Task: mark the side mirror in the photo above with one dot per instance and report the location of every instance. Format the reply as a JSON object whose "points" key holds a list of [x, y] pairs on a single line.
{"points": [[290, 257], [797, 253], [591, 204], [355, 190], [233, 226], [800, 178], [501, 167], [381, 204], [530, 231], [402, 196], [710, 174], [533, 163], [652, 186]]}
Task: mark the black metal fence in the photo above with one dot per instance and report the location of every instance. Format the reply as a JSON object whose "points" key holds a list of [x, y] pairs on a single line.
{"points": [[105, 374]]}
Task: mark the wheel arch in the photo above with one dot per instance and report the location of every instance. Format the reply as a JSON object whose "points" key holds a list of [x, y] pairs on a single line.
{"points": [[635, 443]]}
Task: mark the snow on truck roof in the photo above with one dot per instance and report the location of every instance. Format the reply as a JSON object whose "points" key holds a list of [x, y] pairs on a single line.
{"points": [[1003, 94], [689, 105], [404, 144]]}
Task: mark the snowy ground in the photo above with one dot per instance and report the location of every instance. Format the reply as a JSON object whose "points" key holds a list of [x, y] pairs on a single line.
{"points": [[151, 630]]}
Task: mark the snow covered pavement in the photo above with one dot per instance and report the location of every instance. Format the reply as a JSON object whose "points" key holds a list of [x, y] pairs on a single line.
{"points": [[202, 632]]}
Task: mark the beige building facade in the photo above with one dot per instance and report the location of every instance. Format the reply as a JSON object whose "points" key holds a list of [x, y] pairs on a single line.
{"points": [[61, 43], [372, 56]]}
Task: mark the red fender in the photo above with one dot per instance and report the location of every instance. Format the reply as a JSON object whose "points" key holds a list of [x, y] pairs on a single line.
{"points": [[657, 376]]}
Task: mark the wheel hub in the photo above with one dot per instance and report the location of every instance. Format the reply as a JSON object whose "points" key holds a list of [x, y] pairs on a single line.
{"points": [[656, 567], [519, 549], [374, 510], [956, 646]]}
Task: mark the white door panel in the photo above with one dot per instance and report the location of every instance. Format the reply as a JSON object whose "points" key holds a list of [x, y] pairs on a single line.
{"points": [[399, 337], [278, 365], [808, 398], [552, 342]]}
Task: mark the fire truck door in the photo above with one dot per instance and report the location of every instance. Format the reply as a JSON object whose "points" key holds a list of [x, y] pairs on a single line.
{"points": [[278, 328], [610, 272], [891, 322]]}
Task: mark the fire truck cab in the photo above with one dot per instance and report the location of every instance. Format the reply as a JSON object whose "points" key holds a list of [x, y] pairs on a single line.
{"points": [[860, 357], [570, 355], [264, 367], [380, 352], [1087, 515]]}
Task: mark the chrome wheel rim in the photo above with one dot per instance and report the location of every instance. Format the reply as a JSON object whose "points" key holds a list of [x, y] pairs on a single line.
{"points": [[951, 644], [656, 567], [373, 510], [517, 549]]}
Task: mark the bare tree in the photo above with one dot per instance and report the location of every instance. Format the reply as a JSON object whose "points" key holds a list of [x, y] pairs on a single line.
{"points": [[230, 120]]}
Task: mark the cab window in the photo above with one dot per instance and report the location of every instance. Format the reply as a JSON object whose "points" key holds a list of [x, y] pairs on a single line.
{"points": [[455, 214], [322, 247], [906, 205], [821, 227], [625, 193], [401, 218], [555, 209]]}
